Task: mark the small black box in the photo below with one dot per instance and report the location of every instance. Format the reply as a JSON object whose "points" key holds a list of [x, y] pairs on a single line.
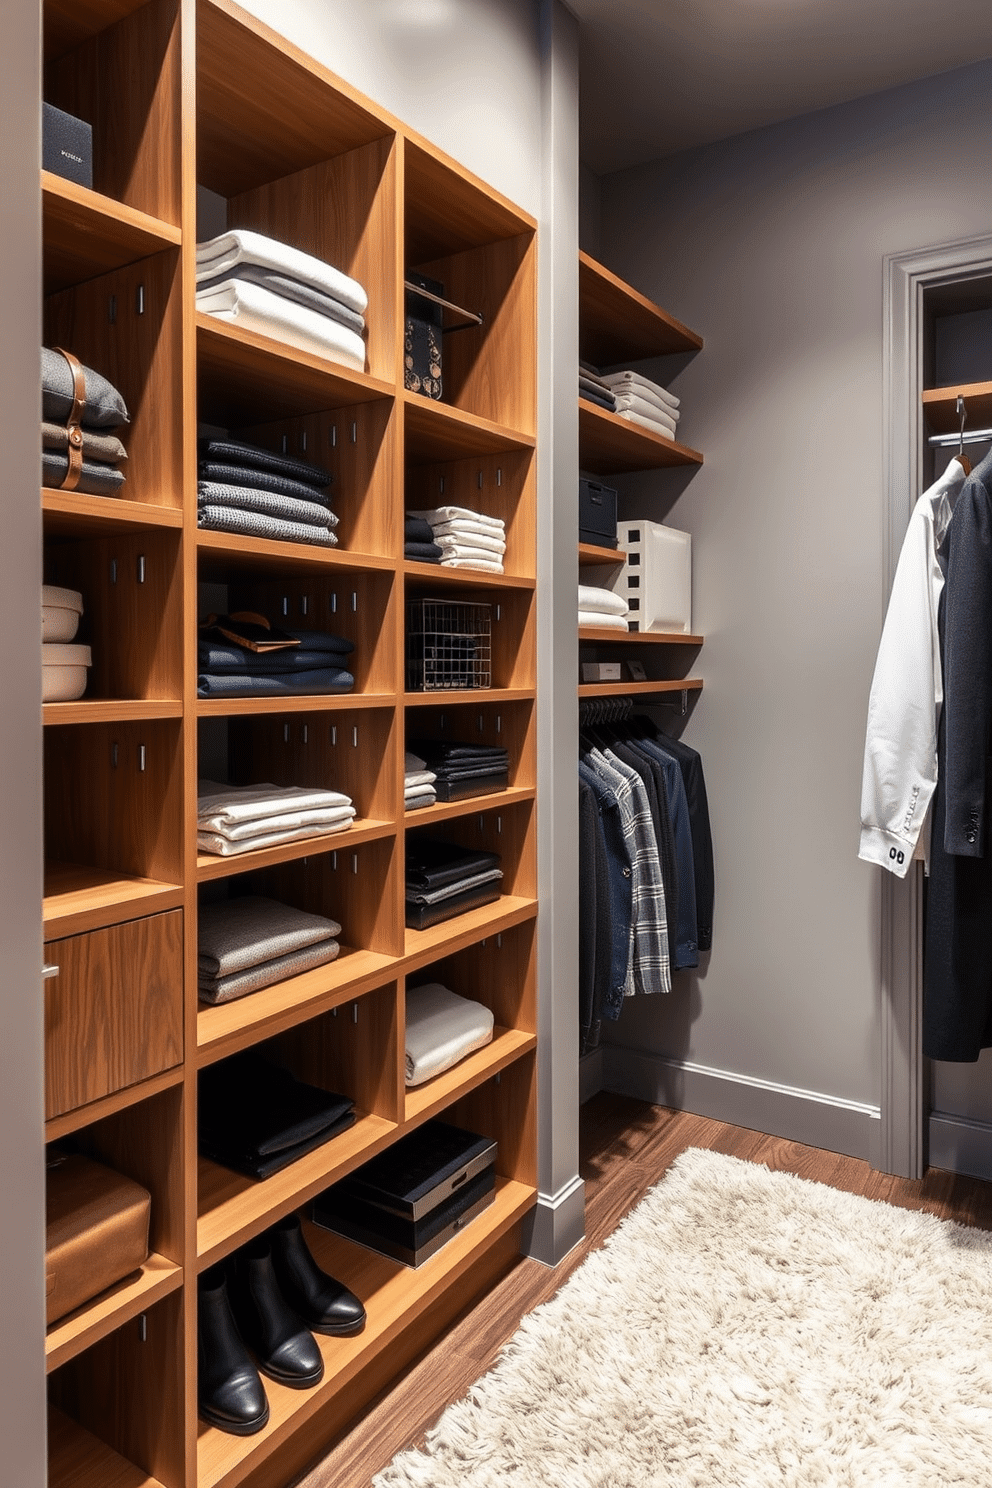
{"points": [[597, 514], [66, 146], [422, 1170], [422, 341]]}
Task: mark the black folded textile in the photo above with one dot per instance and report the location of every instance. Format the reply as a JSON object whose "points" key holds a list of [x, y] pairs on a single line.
{"points": [[231, 660], [433, 865], [600, 399], [319, 640], [417, 530], [442, 755], [460, 788], [250, 456], [104, 409], [261, 480], [291, 289], [285, 684], [256, 1118], [256, 524], [95, 478], [423, 916], [423, 552]]}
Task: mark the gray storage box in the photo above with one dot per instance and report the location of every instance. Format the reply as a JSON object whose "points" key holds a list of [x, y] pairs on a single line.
{"points": [[66, 146]]}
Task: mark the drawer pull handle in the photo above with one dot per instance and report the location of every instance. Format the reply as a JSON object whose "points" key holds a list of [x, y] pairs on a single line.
{"points": [[48, 971]]}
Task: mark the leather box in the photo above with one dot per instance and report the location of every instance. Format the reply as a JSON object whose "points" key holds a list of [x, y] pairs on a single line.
{"points": [[597, 514], [422, 1170], [96, 1230], [66, 145]]}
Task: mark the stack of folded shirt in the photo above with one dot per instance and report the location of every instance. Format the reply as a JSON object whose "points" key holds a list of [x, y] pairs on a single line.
{"points": [[233, 819], [246, 944], [80, 453], [273, 289], [441, 1028], [463, 770], [643, 402], [594, 389], [418, 783], [418, 541], [467, 539], [256, 1118], [259, 494], [444, 879], [602, 608], [312, 661]]}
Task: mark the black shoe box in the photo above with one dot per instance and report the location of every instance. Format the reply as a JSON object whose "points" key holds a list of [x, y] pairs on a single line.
{"points": [[66, 146], [597, 514], [411, 1241]]}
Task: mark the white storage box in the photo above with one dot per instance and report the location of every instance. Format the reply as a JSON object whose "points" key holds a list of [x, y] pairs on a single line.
{"points": [[657, 578], [60, 612], [63, 672]]}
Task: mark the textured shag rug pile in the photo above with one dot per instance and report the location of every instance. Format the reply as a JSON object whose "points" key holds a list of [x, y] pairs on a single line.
{"points": [[742, 1328]]}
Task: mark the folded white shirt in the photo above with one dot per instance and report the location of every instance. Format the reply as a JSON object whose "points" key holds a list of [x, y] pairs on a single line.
{"points": [[257, 309], [241, 245], [600, 621], [437, 515], [222, 847], [451, 542], [636, 382], [655, 425], [413, 778], [417, 795], [633, 403], [441, 1028], [482, 564], [592, 598], [285, 821], [462, 527], [238, 803]]}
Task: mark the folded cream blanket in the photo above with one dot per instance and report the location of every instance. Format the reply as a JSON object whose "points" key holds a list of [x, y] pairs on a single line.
{"points": [[447, 541], [234, 934], [601, 621], [655, 425], [223, 847], [591, 598], [231, 804], [634, 403], [636, 382], [242, 246], [438, 515], [484, 565], [441, 1028], [257, 309]]}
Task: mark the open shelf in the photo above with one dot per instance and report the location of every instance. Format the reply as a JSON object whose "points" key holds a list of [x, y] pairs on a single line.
{"points": [[424, 946], [86, 234], [110, 710], [591, 556], [617, 323], [306, 703], [72, 514], [639, 689], [78, 1330], [429, 1099], [608, 637], [58, 1127], [78, 898], [468, 579], [78, 1459], [940, 406], [450, 810], [610, 445], [437, 431], [209, 866], [261, 553]]}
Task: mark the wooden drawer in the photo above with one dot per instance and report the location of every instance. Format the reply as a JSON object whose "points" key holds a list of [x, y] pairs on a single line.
{"points": [[114, 1013]]}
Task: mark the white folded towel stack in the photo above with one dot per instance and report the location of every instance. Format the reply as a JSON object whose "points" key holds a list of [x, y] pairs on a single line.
{"points": [[237, 819], [641, 401], [277, 290], [467, 539], [418, 783], [602, 608], [441, 1028]]}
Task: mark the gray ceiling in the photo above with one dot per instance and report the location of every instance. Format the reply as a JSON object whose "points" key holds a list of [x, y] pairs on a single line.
{"points": [[659, 76]]}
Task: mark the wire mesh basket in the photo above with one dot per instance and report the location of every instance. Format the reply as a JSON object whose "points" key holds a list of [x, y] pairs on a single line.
{"points": [[448, 645]]}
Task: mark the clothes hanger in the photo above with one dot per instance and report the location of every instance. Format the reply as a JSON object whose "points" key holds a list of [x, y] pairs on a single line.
{"points": [[961, 457]]}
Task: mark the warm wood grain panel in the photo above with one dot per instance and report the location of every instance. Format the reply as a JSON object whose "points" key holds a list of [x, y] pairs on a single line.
{"points": [[438, 431], [424, 946], [119, 1100], [433, 1097], [109, 710], [457, 696], [509, 830], [78, 1459], [499, 970], [317, 703], [604, 636], [78, 897], [505, 1109], [591, 556], [117, 1305], [619, 324], [510, 726], [635, 689], [68, 23], [70, 514], [610, 445], [113, 1015], [86, 234], [222, 554], [445, 811], [940, 407], [503, 486], [448, 209], [209, 866]]}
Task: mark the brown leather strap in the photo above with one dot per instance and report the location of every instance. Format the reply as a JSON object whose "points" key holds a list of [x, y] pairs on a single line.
{"points": [[74, 421]]}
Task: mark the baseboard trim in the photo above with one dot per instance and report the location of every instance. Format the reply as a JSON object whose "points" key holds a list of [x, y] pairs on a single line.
{"points": [[556, 1224], [960, 1144], [818, 1120], [590, 1075]]}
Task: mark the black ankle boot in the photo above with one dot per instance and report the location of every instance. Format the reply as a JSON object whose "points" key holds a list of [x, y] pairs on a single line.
{"points": [[231, 1395], [285, 1350], [324, 1304]]}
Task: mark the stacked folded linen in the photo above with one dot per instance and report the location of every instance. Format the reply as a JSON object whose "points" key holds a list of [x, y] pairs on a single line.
{"points": [[418, 783], [444, 879], [602, 608], [313, 662], [276, 290], [418, 541], [246, 944], [63, 666], [441, 1029], [594, 389], [467, 539], [79, 451], [232, 819], [643, 402], [463, 770], [257, 493]]}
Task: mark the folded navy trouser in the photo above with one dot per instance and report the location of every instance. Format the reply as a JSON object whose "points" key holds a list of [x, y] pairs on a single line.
{"points": [[287, 684]]}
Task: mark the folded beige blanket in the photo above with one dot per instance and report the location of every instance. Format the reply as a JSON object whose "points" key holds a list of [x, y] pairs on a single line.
{"points": [[441, 1028]]}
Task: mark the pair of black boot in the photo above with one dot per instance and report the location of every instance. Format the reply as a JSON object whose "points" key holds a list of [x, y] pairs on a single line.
{"points": [[267, 1298]]}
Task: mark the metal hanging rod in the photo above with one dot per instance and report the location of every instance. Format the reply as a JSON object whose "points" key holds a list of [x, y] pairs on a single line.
{"points": [[472, 317], [975, 436]]}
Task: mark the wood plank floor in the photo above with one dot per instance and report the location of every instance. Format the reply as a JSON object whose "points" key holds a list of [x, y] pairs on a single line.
{"points": [[626, 1147]]}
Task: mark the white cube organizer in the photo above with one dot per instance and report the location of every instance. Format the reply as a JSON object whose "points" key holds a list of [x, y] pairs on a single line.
{"points": [[60, 612], [656, 580], [63, 672]]}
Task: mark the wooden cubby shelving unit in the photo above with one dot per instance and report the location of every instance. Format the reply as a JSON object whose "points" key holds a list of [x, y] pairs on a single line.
{"points": [[196, 93], [617, 324]]}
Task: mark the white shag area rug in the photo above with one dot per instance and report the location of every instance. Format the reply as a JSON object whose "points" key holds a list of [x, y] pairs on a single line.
{"points": [[742, 1328]]}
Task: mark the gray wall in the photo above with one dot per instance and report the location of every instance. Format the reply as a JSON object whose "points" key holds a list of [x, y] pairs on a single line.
{"points": [[771, 246], [22, 1214]]}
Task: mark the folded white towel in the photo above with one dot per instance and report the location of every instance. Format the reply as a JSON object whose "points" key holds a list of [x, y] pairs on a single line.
{"points": [[462, 527], [414, 795], [285, 821], [591, 598], [655, 425], [450, 542], [483, 565], [257, 309], [472, 555], [240, 803], [602, 622], [633, 403], [441, 1028], [221, 847], [637, 382], [436, 515], [414, 778], [241, 245]]}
